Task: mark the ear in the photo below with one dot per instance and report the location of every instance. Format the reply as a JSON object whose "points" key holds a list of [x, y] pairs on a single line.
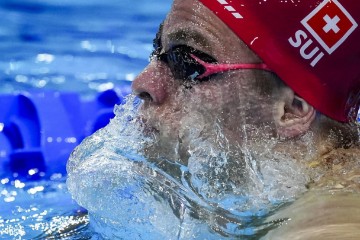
{"points": [[292, 114]]}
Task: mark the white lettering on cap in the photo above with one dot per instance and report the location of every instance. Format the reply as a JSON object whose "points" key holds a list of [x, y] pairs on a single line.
{"points": [[230, 8]]}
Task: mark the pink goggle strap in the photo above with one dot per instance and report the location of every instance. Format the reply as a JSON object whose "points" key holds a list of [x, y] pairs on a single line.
{"points": [[212, 68]]}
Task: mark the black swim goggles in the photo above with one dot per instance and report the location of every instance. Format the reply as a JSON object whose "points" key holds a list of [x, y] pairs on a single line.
{"points": [[189, 64]]}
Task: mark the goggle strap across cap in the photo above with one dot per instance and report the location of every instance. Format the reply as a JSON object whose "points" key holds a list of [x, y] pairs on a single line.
{"points": [[322, 66]]}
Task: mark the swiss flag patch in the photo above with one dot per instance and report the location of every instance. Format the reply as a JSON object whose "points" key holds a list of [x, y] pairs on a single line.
{"points": [[330, 24]]}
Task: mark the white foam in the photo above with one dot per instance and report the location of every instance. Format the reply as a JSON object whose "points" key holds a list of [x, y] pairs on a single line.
{"points": [[221, 187]]}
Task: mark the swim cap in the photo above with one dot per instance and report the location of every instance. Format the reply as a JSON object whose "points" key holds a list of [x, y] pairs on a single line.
{"points": [[313, 46]]}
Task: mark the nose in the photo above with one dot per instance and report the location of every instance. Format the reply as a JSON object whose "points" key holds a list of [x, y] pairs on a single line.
{"points": [[152, 84]]}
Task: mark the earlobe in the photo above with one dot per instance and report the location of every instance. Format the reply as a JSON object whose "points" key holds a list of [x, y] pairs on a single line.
{"points": [[293, 115]]}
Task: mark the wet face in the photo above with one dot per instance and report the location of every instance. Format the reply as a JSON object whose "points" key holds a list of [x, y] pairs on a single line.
{"points": [[220, 127], [177, 108]]}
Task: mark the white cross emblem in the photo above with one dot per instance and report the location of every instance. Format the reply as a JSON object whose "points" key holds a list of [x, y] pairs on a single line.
{"points": [[331, 24]]}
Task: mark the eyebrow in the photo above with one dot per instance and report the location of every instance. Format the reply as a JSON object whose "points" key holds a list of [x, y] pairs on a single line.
{"points": [[157, 40], [185, 35]]}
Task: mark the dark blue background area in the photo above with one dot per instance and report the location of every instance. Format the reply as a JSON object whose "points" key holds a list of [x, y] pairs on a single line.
{"points": [[85, 49]]}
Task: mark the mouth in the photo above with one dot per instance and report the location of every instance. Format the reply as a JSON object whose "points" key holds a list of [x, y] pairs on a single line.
{"points": [[149, 131], [147, 128]]}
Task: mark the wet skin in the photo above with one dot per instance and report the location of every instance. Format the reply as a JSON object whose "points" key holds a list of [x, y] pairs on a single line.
{"points": [[229, 99]]}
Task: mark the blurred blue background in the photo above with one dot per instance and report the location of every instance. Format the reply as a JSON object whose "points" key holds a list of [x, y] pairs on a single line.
{"points": [[63, 65], [85, 46], [93, 49]]}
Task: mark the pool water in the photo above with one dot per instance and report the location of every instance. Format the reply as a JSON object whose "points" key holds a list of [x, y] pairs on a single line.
{"points": [[82, 46], [87, 47]]}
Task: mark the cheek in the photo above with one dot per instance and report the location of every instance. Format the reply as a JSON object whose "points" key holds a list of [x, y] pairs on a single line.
{"points": [[211, 106], [233, 104], [224, 100]]}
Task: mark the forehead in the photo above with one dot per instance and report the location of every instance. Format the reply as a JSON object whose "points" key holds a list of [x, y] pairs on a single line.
{"points": [[190, 22]]}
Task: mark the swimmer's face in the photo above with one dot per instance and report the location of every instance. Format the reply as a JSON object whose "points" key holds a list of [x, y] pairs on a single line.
{"points": [[178, 108]]}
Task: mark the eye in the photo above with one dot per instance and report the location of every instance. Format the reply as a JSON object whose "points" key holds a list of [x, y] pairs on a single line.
{"points": [[183, 66]]}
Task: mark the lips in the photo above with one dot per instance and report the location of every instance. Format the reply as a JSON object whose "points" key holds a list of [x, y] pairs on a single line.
{"points": [[148, 129]]}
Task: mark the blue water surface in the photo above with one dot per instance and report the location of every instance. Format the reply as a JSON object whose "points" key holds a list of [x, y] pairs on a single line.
{"points": [[83, 46]]}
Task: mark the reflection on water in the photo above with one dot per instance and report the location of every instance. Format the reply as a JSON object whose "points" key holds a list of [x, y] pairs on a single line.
{"points": [[37, 210], [317, 215], [130, 196], [82, 46]]}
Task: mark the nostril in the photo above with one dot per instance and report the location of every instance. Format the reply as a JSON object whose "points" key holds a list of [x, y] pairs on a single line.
{"points": [[145, 96]]}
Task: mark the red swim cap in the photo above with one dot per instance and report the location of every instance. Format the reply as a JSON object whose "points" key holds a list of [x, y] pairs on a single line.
{"points": [[314, 46]]}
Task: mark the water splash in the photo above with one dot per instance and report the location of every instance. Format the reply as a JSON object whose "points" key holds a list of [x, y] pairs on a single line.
{"points": [[223, 191]]}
